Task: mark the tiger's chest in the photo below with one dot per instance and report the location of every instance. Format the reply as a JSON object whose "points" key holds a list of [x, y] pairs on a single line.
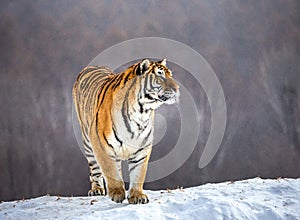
{"points": [[130, 145], [132, 133]]}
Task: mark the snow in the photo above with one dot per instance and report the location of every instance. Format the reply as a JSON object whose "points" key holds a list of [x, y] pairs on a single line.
{"points": [[248, 199]]}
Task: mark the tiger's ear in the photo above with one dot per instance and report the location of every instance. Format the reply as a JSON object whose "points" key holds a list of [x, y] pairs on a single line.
{"points": [[143, 67], [163, 62]]}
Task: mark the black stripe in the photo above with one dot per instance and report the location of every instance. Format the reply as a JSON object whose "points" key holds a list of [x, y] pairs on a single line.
{"points": [[95, 168], [137, 70], [84, 134], [148, 97], [135, 166], [116, 136], [107, 141], [145, 84], [95, 74], [96, 174], [125, 108], [83, 83], [132, 168], [87, 70], [86, 88], [98, 134], [88, 151], [118, 81], [85, 129], [92, 163], [108, 84], [86, 82], [147, 137], [130, 161], [150, 80], [86, 145], [112, 156], [141, 108], [127, 111], [139, 150], [125, 117], [142, 126], [96, 122], [89, 154], [126, 78]]}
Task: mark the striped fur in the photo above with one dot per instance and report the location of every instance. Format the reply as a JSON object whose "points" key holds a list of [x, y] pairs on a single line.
{"points": [[116, 113]]}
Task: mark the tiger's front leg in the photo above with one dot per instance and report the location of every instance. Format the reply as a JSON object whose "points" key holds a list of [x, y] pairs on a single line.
{"points": [[111, 169], [137, 172], [114, 182]]}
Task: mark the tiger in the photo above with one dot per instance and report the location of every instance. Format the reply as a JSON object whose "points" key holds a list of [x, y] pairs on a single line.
{"points": [[116, 117]]}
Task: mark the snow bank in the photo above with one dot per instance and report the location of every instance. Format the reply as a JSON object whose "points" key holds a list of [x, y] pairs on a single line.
{"points": [[248, 199]]}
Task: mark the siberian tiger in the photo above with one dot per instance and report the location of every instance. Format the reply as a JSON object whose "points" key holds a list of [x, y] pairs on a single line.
{"points": [[116, 113]]}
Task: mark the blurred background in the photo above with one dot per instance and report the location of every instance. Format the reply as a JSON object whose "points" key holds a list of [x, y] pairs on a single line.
{"points": [[253, 47]]}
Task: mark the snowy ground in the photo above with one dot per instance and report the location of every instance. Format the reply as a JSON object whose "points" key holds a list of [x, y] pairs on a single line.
{"points": [[248, 199]]}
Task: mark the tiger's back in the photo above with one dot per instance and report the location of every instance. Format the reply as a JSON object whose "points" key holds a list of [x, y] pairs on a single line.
{"points": [[86, 90]]}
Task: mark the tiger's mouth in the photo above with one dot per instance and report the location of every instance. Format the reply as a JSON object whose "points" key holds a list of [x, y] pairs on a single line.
{"points": [[163, 98], [169, 98]]}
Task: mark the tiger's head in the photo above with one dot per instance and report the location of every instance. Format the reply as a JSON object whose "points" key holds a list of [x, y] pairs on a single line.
{"points": [[159, 87]]}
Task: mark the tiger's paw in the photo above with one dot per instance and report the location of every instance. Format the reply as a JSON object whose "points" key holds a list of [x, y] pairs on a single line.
{"points": [[97, 191], [117, 195], [136, 197]]}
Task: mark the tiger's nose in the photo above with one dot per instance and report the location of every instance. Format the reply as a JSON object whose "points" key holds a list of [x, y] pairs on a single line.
{"points": [[171, 91]]}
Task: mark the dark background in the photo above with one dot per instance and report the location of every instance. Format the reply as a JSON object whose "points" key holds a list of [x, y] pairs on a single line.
{"points": [[253, 47]]}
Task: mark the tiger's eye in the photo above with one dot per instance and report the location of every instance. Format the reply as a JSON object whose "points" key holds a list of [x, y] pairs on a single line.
{"points": [[160, 72]]}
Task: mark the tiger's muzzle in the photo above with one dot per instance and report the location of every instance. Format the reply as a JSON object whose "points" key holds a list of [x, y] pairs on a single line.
{"points": [[169, 96]]}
